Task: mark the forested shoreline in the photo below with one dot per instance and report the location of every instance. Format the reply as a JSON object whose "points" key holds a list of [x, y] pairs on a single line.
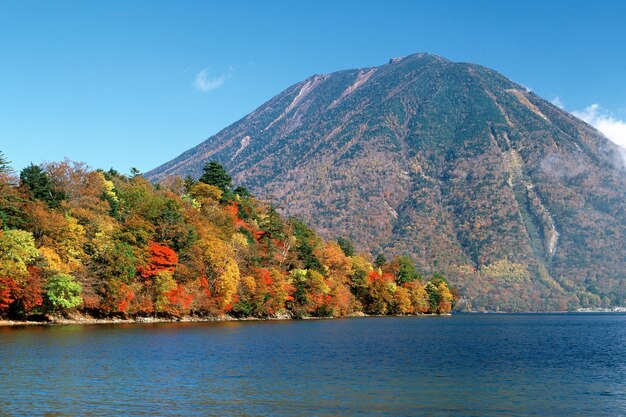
{"points": [[92, 243]]}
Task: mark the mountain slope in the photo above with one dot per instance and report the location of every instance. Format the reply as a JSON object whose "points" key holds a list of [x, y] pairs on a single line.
{"points": [[521, 204]]}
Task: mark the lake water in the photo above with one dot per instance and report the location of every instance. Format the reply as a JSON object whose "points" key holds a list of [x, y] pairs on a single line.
{"points": [[464, 365]]}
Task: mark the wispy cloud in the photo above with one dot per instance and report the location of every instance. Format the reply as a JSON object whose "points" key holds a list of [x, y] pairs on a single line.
{"points": [[604, 121], [558, 102], [205, 83]]}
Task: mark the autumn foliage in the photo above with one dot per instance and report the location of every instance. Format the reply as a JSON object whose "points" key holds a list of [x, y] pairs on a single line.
{"points": [[8, 288], [161, 259], [110, 245]]}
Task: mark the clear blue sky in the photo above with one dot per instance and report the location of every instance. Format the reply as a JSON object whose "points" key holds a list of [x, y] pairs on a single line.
{"points": [[122, 84]]}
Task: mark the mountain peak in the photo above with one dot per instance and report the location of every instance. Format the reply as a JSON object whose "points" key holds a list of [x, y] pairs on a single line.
{"points": [[419, 56], [451, 163]]}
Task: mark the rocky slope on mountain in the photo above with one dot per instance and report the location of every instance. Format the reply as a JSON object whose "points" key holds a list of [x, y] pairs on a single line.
{"points": [[520, 204]]}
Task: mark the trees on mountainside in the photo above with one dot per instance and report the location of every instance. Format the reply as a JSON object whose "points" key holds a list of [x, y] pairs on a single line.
{"points": [[108, 244]]}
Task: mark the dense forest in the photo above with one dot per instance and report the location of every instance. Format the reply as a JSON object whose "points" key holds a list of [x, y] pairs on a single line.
{"points": [[79, 241]]}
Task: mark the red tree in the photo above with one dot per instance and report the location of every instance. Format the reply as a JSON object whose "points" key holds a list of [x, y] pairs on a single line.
{"points": [[179, 300], [30, 293], [162, 259], [8, 288]]}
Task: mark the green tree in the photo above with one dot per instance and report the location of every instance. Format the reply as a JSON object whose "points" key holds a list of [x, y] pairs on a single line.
{"points": [[273, 226], [406, 270], [5, 165], [437, 278], [113, 173], [62, 292], [134, 172], [380, 260], [306, 242], [11, 201], [17, 251], [439, 296], [242, 191], [188, 183], [346, 246], [37, 181], [215, 174]]}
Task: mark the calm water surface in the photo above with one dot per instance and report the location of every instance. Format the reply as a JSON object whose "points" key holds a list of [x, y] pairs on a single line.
{"points": [[465, 365]]}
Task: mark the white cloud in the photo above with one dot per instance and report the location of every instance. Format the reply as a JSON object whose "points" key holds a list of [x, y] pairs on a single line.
{"points": [[205, 84], [602, 120], [558, 102]]}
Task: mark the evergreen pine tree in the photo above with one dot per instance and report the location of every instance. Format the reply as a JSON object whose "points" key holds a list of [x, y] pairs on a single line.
{"points": [[37, 181], [380, 260], [188, 183], [5, 165], [134, 172], [215, 174], [346, 246]]}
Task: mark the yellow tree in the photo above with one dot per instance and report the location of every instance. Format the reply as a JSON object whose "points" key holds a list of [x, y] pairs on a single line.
{"points": [[17, 252], [440, 296], [222, 271], [419, 297]]}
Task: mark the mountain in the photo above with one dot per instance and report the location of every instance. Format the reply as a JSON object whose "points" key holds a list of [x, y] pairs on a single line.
{"points": [[519, 203]]}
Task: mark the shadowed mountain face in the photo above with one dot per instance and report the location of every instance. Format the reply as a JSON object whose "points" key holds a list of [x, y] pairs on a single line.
{"points": [[519, 203]]}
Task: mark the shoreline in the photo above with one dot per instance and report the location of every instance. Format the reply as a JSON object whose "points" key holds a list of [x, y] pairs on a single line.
{"points": [[86, 320], [58, 321]]}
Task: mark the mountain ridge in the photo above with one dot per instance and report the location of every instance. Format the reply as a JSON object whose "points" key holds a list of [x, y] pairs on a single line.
{"points": [[451, 163]]}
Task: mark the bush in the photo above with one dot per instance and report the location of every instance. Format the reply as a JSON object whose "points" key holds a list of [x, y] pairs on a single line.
{"points": [[62, 292]]}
